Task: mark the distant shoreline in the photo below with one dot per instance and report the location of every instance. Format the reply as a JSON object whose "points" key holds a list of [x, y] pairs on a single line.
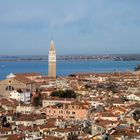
{"points": [[118, 57]]}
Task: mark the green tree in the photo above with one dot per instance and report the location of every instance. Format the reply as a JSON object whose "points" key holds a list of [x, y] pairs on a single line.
{"points": [[137, 68], [37, 101], [136, 115], [64, 94]]}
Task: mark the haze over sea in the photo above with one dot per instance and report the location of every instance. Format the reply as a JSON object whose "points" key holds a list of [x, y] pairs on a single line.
{"points": [[66, 67]]}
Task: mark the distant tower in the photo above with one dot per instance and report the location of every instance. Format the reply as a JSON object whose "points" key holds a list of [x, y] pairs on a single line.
{"points": [[52, 61]]}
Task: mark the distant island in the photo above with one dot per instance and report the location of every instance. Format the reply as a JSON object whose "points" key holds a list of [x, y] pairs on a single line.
{"points": [[119, 57]]}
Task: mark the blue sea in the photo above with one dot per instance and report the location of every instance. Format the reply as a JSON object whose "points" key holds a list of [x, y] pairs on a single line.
{"points": [[66, 67]]}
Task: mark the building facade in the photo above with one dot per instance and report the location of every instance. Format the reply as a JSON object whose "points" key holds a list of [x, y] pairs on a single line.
{"points": [[73, 111], [17, 81], [21, 95]]}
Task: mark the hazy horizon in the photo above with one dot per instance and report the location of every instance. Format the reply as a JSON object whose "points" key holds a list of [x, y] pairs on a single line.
{"points": [[46, 55]]}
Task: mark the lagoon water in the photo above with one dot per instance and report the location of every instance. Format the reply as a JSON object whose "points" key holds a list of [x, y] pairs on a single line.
{"points": [[66, 67]]}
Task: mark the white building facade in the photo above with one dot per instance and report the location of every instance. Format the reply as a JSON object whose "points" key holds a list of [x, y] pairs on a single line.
{"points": [[21, 95]]}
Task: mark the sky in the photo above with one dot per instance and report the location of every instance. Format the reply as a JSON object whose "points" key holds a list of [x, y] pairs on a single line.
{"points": [[76, 26]]}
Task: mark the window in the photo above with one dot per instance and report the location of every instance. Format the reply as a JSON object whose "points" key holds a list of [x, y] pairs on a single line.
{"points": [[67, 112], [9, 88], [98, 128], [73, 112]]}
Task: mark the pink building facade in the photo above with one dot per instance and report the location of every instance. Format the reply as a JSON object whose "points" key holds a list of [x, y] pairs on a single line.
{"points": [[71, 111]]}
